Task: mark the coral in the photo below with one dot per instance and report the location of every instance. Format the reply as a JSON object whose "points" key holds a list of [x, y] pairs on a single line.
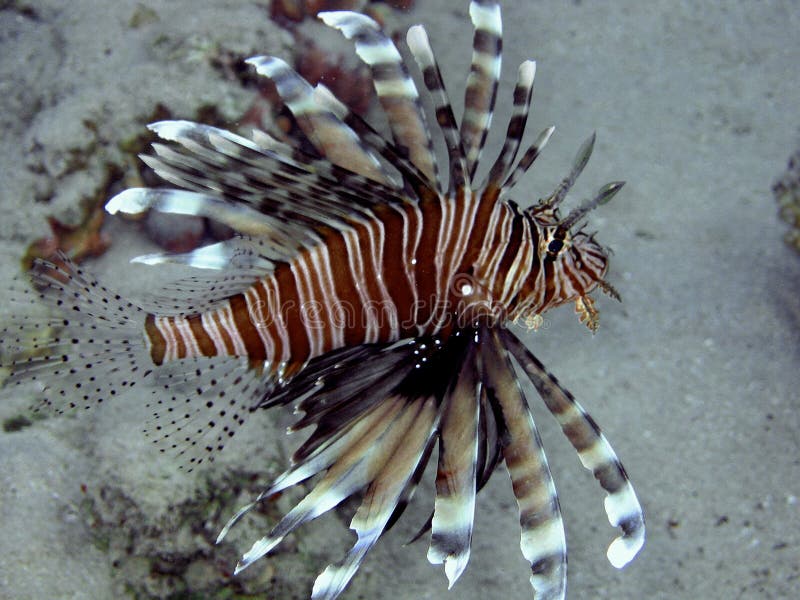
{"points": [[787, 193], [170, 552], [76, 241]]}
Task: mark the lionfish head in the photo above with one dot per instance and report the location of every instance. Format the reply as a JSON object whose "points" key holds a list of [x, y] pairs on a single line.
{"points": [[576, 257], [573, 261]]}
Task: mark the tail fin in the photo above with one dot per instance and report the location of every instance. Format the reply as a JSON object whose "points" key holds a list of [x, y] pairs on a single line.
{"points": [[92, 346], [85, 351]]}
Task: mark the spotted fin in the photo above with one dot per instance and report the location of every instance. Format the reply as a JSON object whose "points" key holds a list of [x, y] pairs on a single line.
{"points": [[596, 454], [83, 355], [198, 405], [228, 268], [97, 349]]}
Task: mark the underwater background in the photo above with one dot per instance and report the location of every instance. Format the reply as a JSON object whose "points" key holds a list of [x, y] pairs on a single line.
{"points": [[694, 377]]}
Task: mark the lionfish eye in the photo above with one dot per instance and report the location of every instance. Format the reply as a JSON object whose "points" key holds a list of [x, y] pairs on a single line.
{"points": [[555, 246]]}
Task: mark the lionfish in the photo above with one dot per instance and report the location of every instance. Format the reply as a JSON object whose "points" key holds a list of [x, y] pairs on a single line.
{"points": [[367, 290]]}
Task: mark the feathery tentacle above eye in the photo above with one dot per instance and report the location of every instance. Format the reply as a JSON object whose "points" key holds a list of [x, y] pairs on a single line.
{"points": [[578, 164], [603, 196]]}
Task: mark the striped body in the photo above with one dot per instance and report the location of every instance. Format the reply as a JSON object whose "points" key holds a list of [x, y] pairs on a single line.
{"points": [[416, 270], [369, 293]]}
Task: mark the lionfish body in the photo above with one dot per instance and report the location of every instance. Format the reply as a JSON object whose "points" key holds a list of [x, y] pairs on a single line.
{"points": [[364, 289]]}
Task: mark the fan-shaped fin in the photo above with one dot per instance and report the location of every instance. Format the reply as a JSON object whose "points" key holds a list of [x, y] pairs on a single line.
{"points": [[233, 266], [454, 507], [402, 456], [346, 442], [198, 404], [300, 196], [329, 135], [357, 465], [362, 376], [396, 90], [543, 543], [88, 354], [596, 454]]}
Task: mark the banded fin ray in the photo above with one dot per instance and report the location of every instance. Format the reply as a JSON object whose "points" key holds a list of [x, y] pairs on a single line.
{"points": [[239, 217], [420, 47], [326, 373], [207, 140], [230, 268], [523, 92], [297, 194], [543, 541], [596, 454], [345, 446], [383, 495], [365, 455], [360, 463], [332, 392], [480, 93], [270, 191], [331, 137], [454, 505], [394, 87], [489, 454], [416, 183], [318, 388], [530, 156]]}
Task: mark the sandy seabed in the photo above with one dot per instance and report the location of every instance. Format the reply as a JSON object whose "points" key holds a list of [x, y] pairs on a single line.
{"points": [[694, 377]]}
